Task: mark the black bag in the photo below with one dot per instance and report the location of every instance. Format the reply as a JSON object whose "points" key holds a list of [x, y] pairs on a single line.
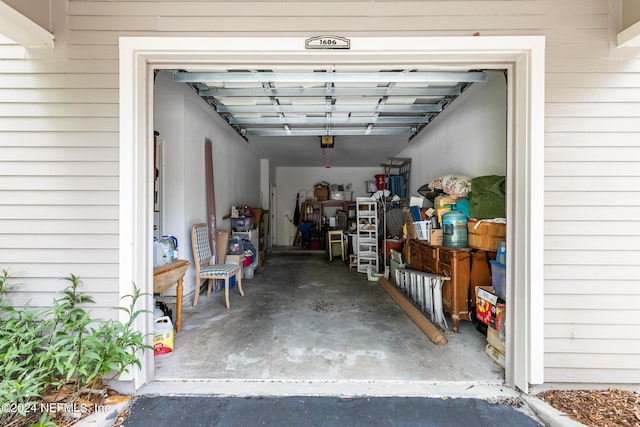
{"points": [[166, 310], [296, 212]]}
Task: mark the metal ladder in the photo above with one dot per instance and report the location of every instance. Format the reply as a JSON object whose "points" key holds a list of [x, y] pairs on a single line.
{"points": [[425, 290]]}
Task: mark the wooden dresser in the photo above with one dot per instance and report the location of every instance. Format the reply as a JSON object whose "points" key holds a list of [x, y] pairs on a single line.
{"points": [[453, 263]]}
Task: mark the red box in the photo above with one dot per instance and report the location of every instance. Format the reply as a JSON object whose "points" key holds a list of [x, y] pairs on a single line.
{"points": [[498, 316], [489, 307]]}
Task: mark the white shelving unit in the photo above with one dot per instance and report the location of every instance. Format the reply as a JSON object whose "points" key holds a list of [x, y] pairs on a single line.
{"points": [[366, 244]]}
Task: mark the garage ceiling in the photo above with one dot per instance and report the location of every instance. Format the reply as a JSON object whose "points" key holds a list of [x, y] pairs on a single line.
{"points": [[379, 108]]}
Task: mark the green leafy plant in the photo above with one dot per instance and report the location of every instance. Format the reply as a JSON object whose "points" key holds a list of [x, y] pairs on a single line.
{"points": [[43, 350]]}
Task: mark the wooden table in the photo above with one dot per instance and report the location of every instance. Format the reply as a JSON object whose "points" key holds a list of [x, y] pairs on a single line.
{"points": [[165, 276]]}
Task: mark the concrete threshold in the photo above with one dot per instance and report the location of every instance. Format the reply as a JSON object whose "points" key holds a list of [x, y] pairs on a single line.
{"points": [[339, 388]]}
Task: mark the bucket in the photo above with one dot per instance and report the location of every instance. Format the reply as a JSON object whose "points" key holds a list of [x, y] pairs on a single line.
{"points": [[454, 230], [162, 336], [248, 271]]}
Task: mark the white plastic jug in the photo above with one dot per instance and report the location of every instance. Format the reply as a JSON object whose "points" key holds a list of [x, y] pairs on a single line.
{"points": [[162, 336], [159, 257]]}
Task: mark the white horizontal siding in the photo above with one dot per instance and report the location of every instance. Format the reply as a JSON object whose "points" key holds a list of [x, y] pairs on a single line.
{"points": [[71, 95], [53, 154], [336, 8], [590, 331], [591, 287], [61, 139], [611, 317], [589, 139], [62, 198], [576, 109], [595, 154], [58, 241], [43, 212], [590, 375], [59, 142], [612, 258], [591, 346], [60, 227], [588, 302]]}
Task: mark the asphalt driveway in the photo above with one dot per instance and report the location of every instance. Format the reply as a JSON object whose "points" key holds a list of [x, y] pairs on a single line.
{"points": [[191, 411]]}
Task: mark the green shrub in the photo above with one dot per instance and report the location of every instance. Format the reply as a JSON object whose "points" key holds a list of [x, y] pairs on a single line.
{"points": [[44, 349]]}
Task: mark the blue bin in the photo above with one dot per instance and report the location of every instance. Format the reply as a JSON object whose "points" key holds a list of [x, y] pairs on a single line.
{"points": [[499, 279]]}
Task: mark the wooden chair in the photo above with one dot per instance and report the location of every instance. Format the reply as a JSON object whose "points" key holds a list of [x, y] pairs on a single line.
{"points": [[205, 270]]}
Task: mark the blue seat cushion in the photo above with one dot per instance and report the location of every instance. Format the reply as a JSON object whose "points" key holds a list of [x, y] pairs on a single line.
{"points": [[218, 270]]}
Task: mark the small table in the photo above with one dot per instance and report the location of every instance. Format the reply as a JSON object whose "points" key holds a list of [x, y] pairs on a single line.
{"points": [[165, 276]]}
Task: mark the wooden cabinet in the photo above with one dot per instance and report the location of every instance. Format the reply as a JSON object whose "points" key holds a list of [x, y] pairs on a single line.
{"points": [[423, 257], [453, 263]]}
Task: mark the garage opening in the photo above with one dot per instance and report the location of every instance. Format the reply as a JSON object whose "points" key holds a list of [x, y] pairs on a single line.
{"points": [[305, 309], [292, 269]]}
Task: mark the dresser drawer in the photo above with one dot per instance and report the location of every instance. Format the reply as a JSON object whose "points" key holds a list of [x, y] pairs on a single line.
{"points": [[430, 259], [444, 269], [415, 261], [446, 257]]}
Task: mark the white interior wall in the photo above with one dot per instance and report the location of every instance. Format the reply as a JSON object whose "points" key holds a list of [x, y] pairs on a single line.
{"points": [[469, 137], [291, 180], [184, 121]]}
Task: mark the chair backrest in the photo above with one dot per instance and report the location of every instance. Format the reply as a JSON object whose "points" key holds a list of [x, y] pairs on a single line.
{"points": [[200, 244]]}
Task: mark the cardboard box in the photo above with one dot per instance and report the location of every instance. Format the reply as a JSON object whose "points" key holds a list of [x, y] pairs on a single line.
{"points": [[411, 229], [498, 315], [435, 237], [321, 193], [493, 338], [485, 235], [496, 355], [489, 308], [235, 259]]}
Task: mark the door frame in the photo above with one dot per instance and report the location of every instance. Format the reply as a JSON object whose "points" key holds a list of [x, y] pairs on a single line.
{"points": [[521, 56]]}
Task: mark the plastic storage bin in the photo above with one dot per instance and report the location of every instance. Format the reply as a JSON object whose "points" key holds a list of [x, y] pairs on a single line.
{"points": [[242, 224], [421, 230], [499, 279]]}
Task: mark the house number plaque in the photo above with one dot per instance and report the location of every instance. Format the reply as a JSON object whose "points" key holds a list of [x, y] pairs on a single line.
{"points": [[327, 42]]}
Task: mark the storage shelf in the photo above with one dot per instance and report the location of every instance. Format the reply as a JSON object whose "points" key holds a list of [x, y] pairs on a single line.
{"points": [[400, 167], [366, 247]]}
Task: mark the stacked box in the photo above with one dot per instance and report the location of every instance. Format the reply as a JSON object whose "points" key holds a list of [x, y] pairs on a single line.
{"points": [[493, 338], [485, 235], [489, 307], [321, 193]]}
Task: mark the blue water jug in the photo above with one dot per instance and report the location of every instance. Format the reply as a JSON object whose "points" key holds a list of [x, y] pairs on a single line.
{"points": [[454, 229]]}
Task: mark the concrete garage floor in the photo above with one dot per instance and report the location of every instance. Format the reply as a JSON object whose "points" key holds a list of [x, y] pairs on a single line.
{"points": [[304, 318]]}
